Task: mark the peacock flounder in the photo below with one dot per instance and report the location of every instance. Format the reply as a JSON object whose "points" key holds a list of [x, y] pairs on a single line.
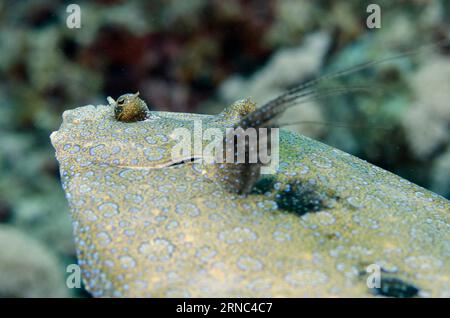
{"points": [[147, 225]]}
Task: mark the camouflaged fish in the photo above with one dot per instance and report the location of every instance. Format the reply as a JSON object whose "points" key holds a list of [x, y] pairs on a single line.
{"points": [[147, 224]]}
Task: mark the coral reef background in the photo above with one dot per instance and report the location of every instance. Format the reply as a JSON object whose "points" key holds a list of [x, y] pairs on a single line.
{"points": [[199, 56]]}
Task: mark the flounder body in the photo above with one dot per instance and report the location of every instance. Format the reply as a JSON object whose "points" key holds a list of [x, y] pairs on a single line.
{"points": [[146, 227]]}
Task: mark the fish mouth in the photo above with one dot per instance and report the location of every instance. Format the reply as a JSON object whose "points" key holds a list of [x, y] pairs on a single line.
{"points": [[183, 161], [165, 165]]}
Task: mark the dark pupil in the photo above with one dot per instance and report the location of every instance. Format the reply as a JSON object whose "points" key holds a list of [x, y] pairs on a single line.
{"points": [[120, 102]]}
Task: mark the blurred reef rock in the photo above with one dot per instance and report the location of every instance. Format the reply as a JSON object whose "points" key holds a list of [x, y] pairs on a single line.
{"points": [[285, 68], [28, 268]]}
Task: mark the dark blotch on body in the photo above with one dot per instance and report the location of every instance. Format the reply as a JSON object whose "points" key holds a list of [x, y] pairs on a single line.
{"points": [[294, 197], [264, 185], [394, 287], [299, 199]]}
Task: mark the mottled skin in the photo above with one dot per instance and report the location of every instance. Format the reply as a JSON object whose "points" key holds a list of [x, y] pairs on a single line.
{"points": [[145, 228]]}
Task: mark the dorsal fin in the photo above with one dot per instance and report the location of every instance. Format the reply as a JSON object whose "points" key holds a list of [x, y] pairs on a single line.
{"points": [[240, 177], [236, 177]]}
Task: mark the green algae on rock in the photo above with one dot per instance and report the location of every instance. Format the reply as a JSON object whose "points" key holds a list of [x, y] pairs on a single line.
{"points": [[146, 228]]}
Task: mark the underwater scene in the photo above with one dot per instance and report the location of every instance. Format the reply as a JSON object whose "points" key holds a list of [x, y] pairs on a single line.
{"points": [[238, 148]]}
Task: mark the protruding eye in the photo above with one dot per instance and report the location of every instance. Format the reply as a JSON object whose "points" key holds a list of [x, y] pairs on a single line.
{"points": [[120, 101]]}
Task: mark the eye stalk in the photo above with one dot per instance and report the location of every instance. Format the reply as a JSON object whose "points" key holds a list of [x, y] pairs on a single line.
{"points": [[117, 111], [129, 108]]}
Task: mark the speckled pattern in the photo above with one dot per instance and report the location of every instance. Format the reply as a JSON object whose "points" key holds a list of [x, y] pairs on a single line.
{"points": [[143, 228]]}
